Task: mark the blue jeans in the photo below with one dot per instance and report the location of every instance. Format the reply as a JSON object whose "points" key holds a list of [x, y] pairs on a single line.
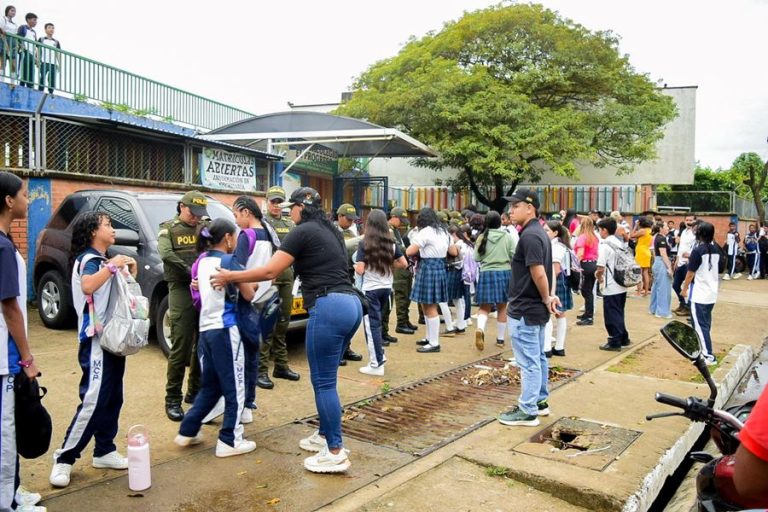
{"points": [[661, 291], [702, 322], [677, 282], [467, 302], [333, 321], [528, 344]]}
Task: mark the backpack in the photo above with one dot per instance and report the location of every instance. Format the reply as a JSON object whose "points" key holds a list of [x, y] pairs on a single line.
{"points": [[572, 271], [471, 269], [626, 272], [126, 329], [33, 423]]}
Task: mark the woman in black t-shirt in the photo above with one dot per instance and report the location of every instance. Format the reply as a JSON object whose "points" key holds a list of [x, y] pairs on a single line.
{"points": [[319, 258], [661, 290]]}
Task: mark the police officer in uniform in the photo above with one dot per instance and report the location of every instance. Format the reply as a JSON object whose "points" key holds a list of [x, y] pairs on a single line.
{"points": [[403, 279], [275, 346], [176, 243], [346, 215]]}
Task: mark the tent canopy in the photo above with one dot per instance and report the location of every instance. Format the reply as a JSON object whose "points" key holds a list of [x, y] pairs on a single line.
{"points": [[345, 136]]}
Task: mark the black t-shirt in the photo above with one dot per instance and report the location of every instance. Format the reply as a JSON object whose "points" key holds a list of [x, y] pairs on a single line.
{"points": [[320, 260], [660, 242], [533, 248]]}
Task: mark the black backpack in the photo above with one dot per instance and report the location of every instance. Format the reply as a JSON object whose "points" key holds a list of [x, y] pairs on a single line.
{"points": [[33, 423]]}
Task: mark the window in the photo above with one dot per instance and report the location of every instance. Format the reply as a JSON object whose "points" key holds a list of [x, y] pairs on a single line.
{"points": [[120, 211], [67, 212]]}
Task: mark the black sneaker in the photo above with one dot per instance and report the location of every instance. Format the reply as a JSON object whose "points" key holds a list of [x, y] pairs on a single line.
{"points": [[585, 321], [422, 343], [560, 353], [500, 343], [612, 348], [389, 339], [543, 408], [548, 353]]}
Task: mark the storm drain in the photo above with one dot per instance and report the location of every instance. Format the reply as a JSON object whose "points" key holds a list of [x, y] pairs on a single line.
{"points": [[425, 415], [584, 443]]}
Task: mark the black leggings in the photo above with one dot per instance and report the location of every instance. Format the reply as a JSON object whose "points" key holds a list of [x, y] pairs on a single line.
{"points": [[588, 269]]}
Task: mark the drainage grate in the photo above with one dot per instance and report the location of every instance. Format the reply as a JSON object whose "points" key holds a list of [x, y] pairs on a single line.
{"points": [[425, 415]]}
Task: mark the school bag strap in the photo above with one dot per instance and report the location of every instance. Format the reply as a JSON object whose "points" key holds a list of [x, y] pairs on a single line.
{"points": [[95, 325]]}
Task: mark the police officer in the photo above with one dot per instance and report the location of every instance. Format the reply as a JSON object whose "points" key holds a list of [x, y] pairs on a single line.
{"points": [[403, 279], [275, 346], [176, 243], [346, 215]]}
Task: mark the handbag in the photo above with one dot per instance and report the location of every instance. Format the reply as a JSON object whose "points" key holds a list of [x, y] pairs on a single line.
{"points": [[33, 423], [267, 309], [127, 327]]}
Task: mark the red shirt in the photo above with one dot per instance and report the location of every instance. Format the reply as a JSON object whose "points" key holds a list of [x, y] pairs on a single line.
{"points": [[754, 436]]}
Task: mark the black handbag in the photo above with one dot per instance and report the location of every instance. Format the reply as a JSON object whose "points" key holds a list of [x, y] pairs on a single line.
{"points": [[33, 423], [268, 309]]}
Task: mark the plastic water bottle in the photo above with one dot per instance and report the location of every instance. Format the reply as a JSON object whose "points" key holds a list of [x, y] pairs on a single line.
{"points": [[139, 475]]}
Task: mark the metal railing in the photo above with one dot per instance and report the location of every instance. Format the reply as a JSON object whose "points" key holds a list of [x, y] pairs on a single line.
{"points": [[42, 67], [712, 201]]}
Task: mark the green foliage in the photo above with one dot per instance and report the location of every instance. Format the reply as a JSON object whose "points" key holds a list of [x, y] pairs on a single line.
{"points": [[116, 107], [508, 92], [385, 388], [750, 170], [168, 119], [497, 471], [80, 97], [704, 179]]}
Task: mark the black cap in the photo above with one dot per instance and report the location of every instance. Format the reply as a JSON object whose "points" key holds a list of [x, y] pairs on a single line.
{"points": [[524, 195], [303, 195]]}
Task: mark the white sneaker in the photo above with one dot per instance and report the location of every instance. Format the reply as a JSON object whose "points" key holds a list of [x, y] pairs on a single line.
{"points": [[726, 277], [313, 443], [30, 508], [750, 278], [214, 413], [25, 498], [372, 370], [60, 474], [247, 415], [181, 440], [327, 462], [663, 316], [710, 360], [737, 276], [112, 460], [224, 450], [469, 322]]}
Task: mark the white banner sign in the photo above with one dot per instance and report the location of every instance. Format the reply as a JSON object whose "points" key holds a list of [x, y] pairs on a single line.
{"points": [[227, 171]]}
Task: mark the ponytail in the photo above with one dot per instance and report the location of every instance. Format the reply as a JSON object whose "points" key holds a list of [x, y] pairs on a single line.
{"points": [[214, 233]]}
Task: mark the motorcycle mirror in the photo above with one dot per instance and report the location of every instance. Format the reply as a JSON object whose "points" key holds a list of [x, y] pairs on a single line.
{"points": [[683, 338]]}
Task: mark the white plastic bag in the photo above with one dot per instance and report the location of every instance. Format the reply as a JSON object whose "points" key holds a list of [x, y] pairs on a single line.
{"points": [[127, 325]]}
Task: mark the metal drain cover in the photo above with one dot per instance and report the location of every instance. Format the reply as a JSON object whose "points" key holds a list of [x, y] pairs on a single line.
{"points": [[423, 416], [584, 443]]}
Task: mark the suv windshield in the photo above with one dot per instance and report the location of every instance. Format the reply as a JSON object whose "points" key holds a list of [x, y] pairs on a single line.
{"points": [[161, 210]]}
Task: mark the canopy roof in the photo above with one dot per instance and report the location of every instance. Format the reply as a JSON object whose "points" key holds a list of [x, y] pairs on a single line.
{"points": [[345, 136]]}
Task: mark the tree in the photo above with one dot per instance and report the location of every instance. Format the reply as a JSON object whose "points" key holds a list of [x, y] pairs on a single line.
{"points": [[705, 179], [750, 170], [508, 92]]}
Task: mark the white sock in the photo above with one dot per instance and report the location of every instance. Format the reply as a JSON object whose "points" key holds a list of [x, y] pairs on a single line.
{"points": [[461, 323], [501, 329], [562, 327], [433, 330], [548, 336], [482, 318], [446, 311]]}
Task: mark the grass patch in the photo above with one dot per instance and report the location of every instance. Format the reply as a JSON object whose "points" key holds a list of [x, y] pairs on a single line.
{"points": [[699, 378], [385, 388], [497, 471], [625, 365]]}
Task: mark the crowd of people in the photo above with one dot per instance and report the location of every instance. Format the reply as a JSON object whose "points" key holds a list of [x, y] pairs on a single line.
{"points": [[520, 266], [24, 61]]}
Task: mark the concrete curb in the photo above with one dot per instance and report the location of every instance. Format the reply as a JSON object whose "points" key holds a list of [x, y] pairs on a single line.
{"points": [[741, 357]]}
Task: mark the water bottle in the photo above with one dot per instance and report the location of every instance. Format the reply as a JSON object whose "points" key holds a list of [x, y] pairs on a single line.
{"points": [[139, 477]]}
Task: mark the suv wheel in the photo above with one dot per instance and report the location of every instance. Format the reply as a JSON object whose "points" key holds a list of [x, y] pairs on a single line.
{"points": [[54, 302], [163, 326]]}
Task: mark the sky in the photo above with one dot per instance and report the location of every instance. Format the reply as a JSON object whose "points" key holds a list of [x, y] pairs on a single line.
{"points": [[260, 55]]}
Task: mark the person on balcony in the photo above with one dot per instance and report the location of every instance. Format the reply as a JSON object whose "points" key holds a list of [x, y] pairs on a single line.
{"points": [[28, 51], [50, 60]]}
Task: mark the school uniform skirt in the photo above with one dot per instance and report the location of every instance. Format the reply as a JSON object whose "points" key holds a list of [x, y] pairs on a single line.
{"points": [[431, 283], [493, 286], [563, 292], [455, 283]]}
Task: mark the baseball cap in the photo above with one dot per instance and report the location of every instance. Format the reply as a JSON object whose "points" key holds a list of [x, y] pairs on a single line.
{"points": [[524, 195], [275, 193], [303, 195], [401, 214], [348, 211], [197, 203]]}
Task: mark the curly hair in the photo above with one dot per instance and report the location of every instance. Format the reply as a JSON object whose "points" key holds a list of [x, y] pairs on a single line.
{"points": [[378, 243], [83, 230], [492, 221]]}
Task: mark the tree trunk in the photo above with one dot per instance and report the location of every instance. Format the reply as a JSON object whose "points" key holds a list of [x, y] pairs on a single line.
{"points": [[499, 203]]}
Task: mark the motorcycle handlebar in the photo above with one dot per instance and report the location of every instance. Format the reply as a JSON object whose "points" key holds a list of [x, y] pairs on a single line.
{"points": [[674, 401]]}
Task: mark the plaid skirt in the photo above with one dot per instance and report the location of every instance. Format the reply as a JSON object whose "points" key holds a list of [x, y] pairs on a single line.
{"points": [[493, 286], [431, 284], [455, 283], [563, 291]]}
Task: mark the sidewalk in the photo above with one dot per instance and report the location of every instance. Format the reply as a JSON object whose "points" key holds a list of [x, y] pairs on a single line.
{"points": [[488, 469]]}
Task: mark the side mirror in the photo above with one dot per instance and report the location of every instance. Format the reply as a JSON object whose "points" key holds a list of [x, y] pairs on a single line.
{"points": [[684, 338], [126, 237]]}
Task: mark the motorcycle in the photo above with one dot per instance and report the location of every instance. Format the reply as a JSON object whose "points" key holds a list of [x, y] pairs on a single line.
{"points": [[714, 484]]}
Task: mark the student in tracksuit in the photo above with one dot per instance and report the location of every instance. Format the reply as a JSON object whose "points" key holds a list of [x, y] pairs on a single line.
{"points": [[101, 384], [249, 219], [15, 352], [220, 348], [752, 249], [376, 256]]}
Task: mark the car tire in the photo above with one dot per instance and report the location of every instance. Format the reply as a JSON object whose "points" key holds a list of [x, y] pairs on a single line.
{"points": [[54, 301], [163, 326]]}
